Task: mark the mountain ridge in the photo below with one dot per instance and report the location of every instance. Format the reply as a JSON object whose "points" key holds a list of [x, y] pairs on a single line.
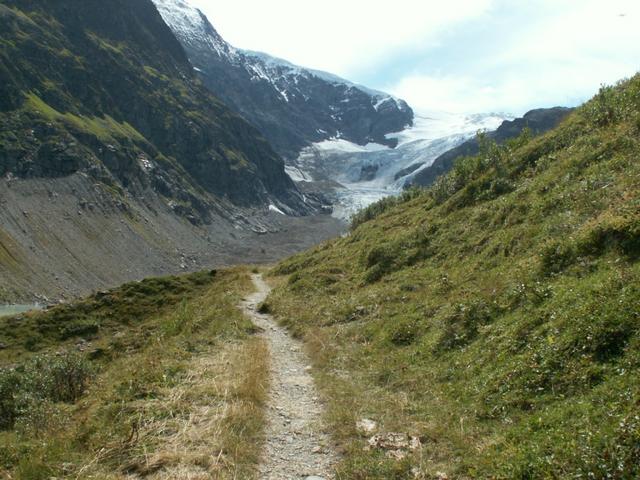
{"points": [[291, 105]]}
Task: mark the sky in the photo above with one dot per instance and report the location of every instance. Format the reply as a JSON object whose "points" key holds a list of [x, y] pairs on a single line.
{"points": [[462, 56]]}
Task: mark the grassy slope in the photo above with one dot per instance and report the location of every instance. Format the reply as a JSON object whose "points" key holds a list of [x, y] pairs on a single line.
{"points": [[160, 379], [497, 315]]}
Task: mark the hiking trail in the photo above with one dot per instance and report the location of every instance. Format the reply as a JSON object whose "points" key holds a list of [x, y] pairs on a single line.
{"points": [[296, 445]]}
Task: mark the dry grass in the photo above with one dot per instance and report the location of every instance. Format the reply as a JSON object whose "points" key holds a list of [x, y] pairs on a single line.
{"points": [[177, 394], [217, 432]]}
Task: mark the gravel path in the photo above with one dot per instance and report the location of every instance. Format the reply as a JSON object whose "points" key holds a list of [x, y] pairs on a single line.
{"points": [[296, 447]]}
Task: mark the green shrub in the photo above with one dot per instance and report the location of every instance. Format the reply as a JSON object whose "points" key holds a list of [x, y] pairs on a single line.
{"points": [[462, 325], [404, 332], [78, 330], [9, 379], [27, 387], [381, 206], [379, 261], [66, 377], [620, 233], [614, 103]]}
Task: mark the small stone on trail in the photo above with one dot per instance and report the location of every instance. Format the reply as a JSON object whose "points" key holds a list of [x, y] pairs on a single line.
{"points": [[417, 473], [395, 445], [366, 425], [396, 454], [394, 441]]}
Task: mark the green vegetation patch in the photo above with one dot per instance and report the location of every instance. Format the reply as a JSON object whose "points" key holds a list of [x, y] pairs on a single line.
{"points": [[106, 366], [105, 129], [100, 315], [495, 316]]}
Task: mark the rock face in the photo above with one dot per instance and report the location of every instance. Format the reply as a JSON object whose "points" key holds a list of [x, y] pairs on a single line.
{"points": [[104, 87], [117, 163], [292, 106], [539, 121]]}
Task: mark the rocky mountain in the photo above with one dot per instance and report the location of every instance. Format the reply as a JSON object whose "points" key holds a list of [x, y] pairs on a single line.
{"points": [[292, 106], [115, 160], [105, 88], [538, 121]]}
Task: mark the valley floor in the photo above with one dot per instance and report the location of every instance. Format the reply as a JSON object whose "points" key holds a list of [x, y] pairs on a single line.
{"points": [[54, 246]]}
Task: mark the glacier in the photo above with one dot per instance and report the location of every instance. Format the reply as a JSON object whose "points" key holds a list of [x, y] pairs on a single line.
{"points": [[361, 175]]}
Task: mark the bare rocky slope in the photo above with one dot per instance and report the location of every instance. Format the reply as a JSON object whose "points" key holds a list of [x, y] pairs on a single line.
{"points": [[61, 238], [117, 163]]}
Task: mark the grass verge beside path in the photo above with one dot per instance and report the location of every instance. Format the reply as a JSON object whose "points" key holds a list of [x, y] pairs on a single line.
{"points": [[155, 379]]}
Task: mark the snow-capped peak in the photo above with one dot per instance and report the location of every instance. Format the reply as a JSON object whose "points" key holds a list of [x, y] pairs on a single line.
{"points": [[192, 27], [304, 105], [283, 67]]}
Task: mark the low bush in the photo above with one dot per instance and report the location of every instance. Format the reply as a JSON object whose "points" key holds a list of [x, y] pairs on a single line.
{"points": [[43, 379], [381, 206]]}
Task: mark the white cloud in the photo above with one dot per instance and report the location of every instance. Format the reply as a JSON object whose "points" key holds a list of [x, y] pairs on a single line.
{"points": [[560, 56], [340, 36], [454, 55], [514, 92]]}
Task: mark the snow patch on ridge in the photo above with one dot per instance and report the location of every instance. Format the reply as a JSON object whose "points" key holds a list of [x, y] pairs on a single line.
{"points": [[276, 67], [273, 208], [297, 175]]}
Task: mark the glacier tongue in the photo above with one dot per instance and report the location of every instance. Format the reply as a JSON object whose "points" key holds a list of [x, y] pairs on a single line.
{"points": [[362, 175], [434, 125]]}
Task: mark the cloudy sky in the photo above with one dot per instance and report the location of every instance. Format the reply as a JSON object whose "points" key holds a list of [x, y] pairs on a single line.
{"points": [[453, 55]]}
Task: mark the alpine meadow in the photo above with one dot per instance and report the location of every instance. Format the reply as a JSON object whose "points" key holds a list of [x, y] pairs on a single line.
{"points": [[216, 263]]}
